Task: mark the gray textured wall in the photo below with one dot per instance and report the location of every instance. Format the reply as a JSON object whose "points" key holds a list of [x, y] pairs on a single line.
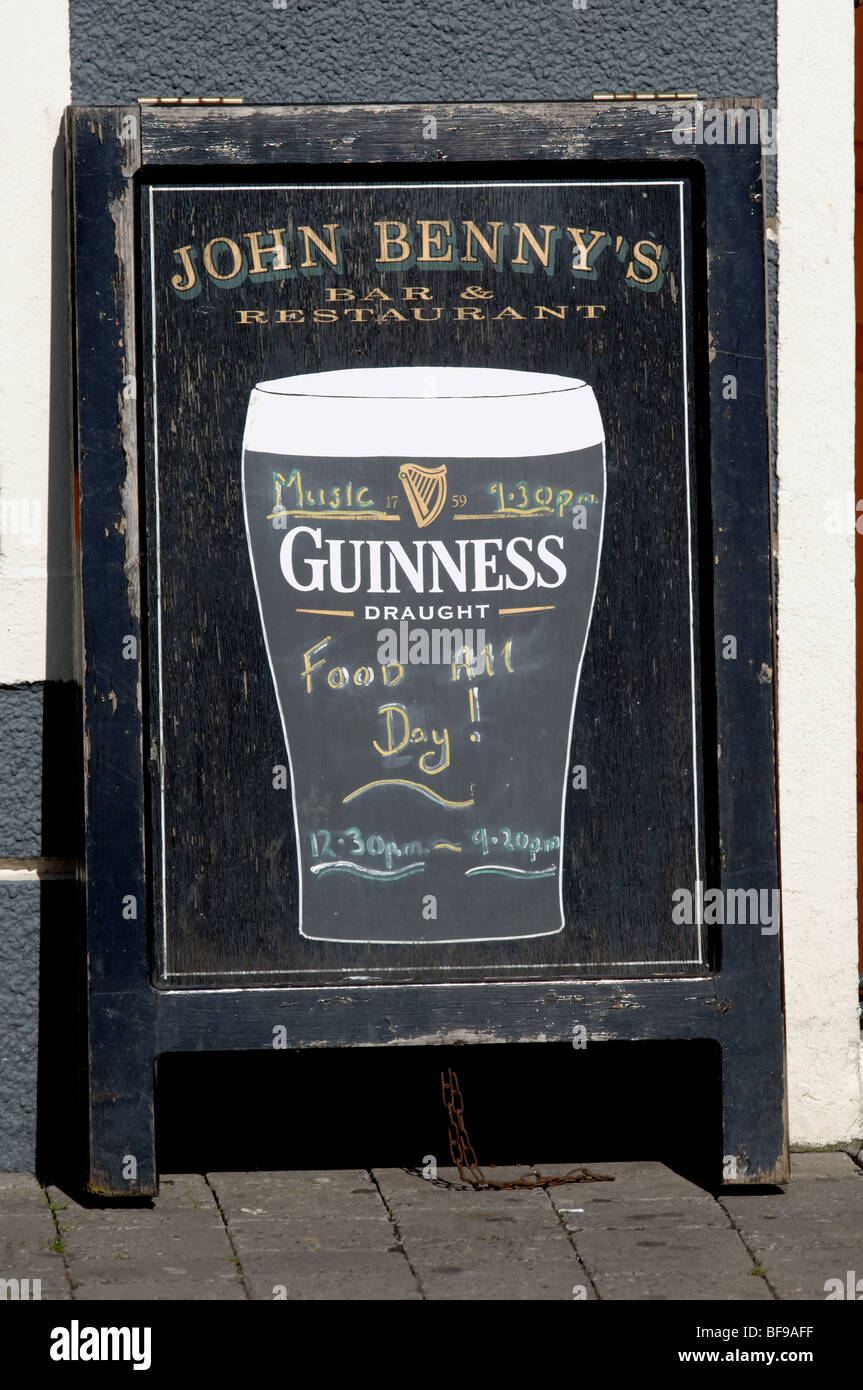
{"points": [[20, 772], [19, 1012], [314, 51], [397, 50]]}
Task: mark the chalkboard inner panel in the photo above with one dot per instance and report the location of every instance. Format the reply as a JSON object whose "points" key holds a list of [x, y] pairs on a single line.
{"points": [[245, 285]]}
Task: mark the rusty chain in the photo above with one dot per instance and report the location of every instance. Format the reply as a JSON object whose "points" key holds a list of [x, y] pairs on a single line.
{"points": [[465, 1160]]}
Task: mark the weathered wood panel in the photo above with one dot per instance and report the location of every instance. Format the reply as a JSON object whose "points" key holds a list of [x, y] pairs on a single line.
{"points": [[401, 1016], [104, 154], [424, 134]]}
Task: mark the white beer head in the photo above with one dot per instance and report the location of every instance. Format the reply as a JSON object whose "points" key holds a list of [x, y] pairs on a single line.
{"points": [[423, 412]]}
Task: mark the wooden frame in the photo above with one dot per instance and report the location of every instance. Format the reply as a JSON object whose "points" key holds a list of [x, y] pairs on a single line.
{"points": [[130, 1023]]}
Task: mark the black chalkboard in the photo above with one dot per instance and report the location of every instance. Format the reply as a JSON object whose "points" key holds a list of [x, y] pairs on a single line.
{"points": [[525, 349]]}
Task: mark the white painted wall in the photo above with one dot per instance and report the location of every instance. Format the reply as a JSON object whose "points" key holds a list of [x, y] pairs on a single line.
{"points": [[34, 80], [816, 629]]}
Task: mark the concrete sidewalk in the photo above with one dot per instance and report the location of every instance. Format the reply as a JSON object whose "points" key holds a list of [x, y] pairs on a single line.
{"points": [[390, 1234]]}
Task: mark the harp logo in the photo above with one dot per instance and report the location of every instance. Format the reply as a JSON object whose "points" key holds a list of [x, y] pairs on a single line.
{"points": [[425, 489]]}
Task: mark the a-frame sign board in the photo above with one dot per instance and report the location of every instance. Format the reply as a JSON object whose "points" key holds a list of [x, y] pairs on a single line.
{"points": [[425, 566]]}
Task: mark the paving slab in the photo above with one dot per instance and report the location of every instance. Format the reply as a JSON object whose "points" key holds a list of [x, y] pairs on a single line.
{"points": [[465, 1271], [822, 1187], [285, 1236], [811, 1230], [334, 1275], [482, 1245], [411, 1192], [316, 1235], [177, 1243], [702, 1264], [643, 1195], [424, 1210], [802, 1274], [828, 1165], [452, 1223], [340, 1192], [27, 1232], [21, 1195], [652, 1235], [214, 1291], [121, 1269]]}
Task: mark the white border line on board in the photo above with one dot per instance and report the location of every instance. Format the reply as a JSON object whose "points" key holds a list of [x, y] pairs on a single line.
{"points": [[685, 354], [403, 969], [158, 573], [622, 980], [574, 183], [341, 187]]}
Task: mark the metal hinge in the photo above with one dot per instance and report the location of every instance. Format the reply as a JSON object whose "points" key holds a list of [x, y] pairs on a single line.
{"points": [[645, 96], [190, 101]]}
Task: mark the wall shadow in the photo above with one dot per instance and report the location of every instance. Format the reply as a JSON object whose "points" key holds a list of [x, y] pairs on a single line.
{"points": [[61, 1127]]}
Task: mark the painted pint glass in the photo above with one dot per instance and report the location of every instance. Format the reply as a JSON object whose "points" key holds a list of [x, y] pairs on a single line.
{"points": [[425, 545]]}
